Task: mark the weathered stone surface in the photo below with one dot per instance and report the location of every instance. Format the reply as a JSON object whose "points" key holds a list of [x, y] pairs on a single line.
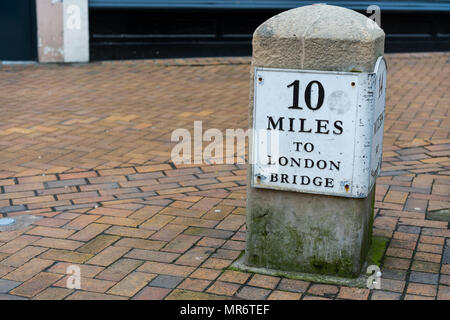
{"points": [[303, 232], [318, 37]]}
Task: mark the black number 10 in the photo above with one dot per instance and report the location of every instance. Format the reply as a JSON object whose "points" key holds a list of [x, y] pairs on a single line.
{"points": [[296, 89]]}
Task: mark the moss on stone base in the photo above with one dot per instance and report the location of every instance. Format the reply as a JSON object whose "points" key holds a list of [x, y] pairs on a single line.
{"points": [[341, 267], [376, 251], [270, 237], [374, 257]]}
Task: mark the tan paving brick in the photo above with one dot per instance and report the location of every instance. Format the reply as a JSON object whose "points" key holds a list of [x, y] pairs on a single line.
{"points": [[152, 255], [293, 285], [252, 293], [153, 168], [399, 252], [131, 284], [226, 254], [195, 222], [77, 175], [98, 244], [263, 281], [85, 270], [422, 289], [19, 258], [58, 243], [152, 293], [443, 293], [116, 172], [89, 232], [211, 242], [119, 269], [70, 215], [215, 263], [18, 243], [425, 266], [29, 269], [234, 276], [5, 270], [194, 284], [232, 222], [129, 232], [223, 288], [50, 222], [432, 240], [396, 263], [88, 284], [50, 232], [49, 204], [107, 211], [140, 243], [206, 232], [85, 295], [417, 297], [53, 294], [165, 268], [81, 221], [66, 256], [157, 222], [283, 295], [385, 295], [314, 298], [353, 293], [396, 197], [429, 257], [24, 187], [30, 200], [207, 274], [14, 195], [168, 232], [392, 285], [108, 256], [126, 222], [145, 213], [195, 256], [181, 243], [430, 248], [180, 294], [35, 285], [323, 290]]}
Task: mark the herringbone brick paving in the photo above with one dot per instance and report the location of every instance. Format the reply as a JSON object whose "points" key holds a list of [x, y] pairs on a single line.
{"points": [[88, 148]]}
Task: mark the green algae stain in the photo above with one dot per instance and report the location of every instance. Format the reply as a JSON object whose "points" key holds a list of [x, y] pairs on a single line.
{"points": [[439, 215], [340, 267]]}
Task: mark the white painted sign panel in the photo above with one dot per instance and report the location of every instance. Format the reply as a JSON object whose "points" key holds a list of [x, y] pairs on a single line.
{"points": [[318, 132]]}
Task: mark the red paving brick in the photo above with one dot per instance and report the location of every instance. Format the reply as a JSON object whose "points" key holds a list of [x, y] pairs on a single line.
{"points": [[88, 147]]}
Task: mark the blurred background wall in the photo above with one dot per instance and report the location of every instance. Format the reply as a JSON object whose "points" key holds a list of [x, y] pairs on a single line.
{"points": [[138, 29]]}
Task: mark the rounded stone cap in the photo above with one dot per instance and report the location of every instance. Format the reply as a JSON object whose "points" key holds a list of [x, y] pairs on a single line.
{"points": [[319, 37]]}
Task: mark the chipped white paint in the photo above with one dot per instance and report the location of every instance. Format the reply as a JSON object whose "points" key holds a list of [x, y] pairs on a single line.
{"points": [[332, 147], [53, 52]]}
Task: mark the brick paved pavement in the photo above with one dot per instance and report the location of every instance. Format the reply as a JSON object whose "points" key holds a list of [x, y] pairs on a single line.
{"points": [[87, 147]]}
